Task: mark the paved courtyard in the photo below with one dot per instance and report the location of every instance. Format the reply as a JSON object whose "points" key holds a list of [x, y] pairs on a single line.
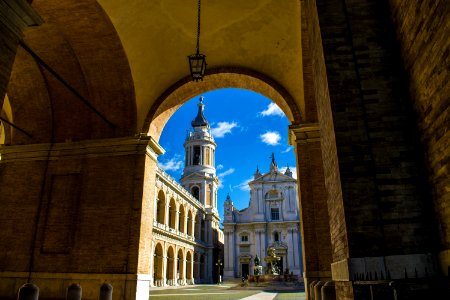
{"points": [[222, 292]]}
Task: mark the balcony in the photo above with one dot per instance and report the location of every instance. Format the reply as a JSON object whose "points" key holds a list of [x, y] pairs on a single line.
{"points": [[178, 187], [171, 232]]}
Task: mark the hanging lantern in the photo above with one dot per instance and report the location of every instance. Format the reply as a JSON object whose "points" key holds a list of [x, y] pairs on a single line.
{"points": [[197, 61]]}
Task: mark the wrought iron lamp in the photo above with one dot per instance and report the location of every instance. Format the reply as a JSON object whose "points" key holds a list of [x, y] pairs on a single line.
{"points": [[219, 265], [197, 61]]}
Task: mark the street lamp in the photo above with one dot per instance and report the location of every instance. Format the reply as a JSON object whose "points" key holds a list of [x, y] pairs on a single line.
{"points": [[219, 264], [197, 61]]}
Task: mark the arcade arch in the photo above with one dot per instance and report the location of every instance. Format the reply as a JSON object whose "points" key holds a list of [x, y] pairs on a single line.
{"points": [[98, 67], [161, 208], [172, 213], [182, 219], [158, 265], [290, 49], [171, 264], [181, 268]]}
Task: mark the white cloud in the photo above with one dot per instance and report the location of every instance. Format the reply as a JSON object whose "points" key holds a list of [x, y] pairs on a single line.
{"points": [[222, 175], [243, 186], [270, 138], [287, 149], [293, 170], [219, 167], [225, 173], [272, 110], [173, 164], [223, 128]]}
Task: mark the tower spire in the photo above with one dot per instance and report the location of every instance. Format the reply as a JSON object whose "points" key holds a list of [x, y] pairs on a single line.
{"points": [[200, 119], [288, 171], [257, 173]]}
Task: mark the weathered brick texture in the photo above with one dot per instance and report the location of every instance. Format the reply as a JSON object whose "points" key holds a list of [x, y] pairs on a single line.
{"points": [[423, 29], [384, 189], [106, 223]]}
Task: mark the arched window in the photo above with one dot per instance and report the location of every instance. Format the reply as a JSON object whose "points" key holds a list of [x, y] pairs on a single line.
{"points": [[195, 191], [196, 155], [276, 237]]}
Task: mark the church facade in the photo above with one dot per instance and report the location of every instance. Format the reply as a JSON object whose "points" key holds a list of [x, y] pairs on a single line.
{"points": [[270, 222], [187, 240]]}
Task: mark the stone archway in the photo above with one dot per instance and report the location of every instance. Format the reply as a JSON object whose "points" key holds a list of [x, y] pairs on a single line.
{"points": [[182, 219], [172, 213], [222, 77], [196, 267], [190, 223], [158, 265], [171, 264], [161, 208], [189, 268], [202, 267], [304, 135], [102, 169], [181, 268]]}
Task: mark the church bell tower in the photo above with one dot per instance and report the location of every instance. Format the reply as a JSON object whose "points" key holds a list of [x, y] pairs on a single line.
{"points": [[199, 176]]}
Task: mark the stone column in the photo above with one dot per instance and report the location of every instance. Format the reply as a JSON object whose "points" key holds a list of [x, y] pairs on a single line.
{"points": [[211, 265], [175, 269], [290, 254], [193, 226], [258, 243], [167, 208], [185, 220], [313, 202], [263, 246], [183, 274], [177, 217], [198, 267], [203, 192], [211, 195], [208, 224], [229, 255], [164, 270], [202, 155], [192, 269], [152, 263]]}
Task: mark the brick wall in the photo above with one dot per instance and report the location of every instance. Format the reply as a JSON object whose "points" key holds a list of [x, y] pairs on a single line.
{"points": [[316, 87], [423, 29], [104, 231], [380, 164]]}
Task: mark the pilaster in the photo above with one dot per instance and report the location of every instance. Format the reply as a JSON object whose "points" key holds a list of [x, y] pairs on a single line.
{"points": [[312, 193]]}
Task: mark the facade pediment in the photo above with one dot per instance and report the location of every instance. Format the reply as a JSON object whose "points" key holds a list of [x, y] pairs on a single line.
{"points": [[272, 176], [279, 246]]}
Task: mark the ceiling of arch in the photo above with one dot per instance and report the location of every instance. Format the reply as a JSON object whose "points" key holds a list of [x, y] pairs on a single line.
{"points": [[157, 35]]}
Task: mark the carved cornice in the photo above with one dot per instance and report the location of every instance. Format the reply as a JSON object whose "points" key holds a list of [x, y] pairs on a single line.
{"points": [[154, 149], [88, 148], [177, 189], [304, 133]]}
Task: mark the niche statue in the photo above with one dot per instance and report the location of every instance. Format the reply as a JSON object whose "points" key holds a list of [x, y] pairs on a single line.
{"points": [[258, 268]]}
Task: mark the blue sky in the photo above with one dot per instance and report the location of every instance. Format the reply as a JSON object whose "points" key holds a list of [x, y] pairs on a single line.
{"points": [[247, 128]]}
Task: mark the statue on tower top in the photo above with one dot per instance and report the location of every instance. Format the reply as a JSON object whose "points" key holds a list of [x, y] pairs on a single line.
{"points": [[200, 120], [273, 164]]}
